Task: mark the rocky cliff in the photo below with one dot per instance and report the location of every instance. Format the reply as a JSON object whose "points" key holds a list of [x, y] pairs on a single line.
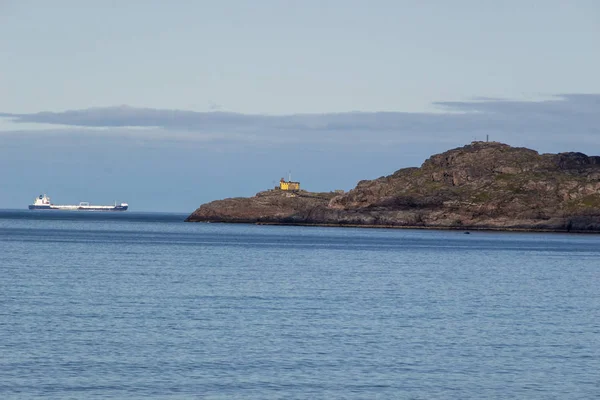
{"points": [[479, 186]]}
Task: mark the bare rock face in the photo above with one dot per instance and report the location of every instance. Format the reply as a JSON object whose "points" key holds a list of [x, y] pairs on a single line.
{"points": [[479, 186], [272, 206]]}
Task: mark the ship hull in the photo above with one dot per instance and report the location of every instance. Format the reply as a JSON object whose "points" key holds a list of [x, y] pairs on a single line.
{"points": [[32, 207], [77, 208], [42, 202]]}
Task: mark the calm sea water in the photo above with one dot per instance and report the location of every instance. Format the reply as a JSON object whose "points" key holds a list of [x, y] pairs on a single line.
{"points": [[126, 305]]}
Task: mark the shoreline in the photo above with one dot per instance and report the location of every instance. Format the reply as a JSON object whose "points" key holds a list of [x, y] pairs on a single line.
{"points": [[416, 227]]}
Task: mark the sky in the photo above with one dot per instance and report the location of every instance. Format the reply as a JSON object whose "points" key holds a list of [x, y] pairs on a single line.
{"points": [[167, 105]]}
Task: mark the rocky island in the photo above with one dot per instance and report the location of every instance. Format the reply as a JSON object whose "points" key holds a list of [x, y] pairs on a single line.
{"points": [[484, 185]]}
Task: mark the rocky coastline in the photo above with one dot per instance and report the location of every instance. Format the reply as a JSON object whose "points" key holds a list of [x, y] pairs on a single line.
{"points": [[481, 186]]}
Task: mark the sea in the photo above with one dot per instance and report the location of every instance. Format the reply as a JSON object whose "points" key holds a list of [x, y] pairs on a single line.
{"points": [[145, 306]]}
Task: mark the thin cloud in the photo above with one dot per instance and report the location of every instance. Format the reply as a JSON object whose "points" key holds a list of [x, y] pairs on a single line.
{"points": [[567, 114]]}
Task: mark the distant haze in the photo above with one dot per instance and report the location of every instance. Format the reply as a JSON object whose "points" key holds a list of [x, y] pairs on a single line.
{"points": [[173, 160]]}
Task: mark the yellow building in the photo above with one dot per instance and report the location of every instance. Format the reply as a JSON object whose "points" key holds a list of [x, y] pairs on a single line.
{"points": [[289, 185]]}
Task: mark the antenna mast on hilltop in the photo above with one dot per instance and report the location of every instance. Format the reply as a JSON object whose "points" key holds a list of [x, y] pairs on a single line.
{"points": [[289, 176]]}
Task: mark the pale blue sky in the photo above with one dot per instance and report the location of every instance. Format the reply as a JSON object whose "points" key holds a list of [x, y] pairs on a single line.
{"points": [[281, 57], [358, 88]]}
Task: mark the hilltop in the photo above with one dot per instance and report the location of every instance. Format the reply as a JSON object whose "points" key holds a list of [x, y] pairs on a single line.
{"points": [[484, 185]]}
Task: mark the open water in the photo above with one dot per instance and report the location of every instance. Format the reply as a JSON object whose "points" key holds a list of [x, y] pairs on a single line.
{"points": [[144, 306]]}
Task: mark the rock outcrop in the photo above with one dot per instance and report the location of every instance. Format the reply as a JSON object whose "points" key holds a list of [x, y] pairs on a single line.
{"points": [[271, 206], [479, 186]]}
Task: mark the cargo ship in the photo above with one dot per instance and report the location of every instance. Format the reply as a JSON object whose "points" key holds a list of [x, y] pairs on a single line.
{"points": [[42, 202]]}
